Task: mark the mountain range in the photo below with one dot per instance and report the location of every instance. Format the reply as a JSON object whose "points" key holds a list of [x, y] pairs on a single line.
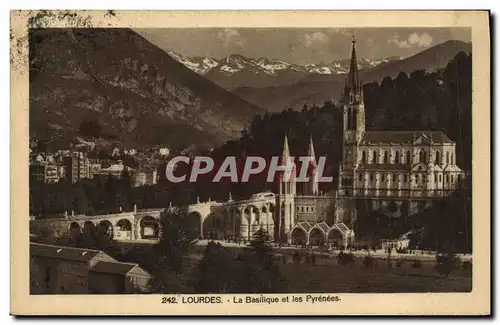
{"points": [[315, 89], [113, 87], [239, 71]]}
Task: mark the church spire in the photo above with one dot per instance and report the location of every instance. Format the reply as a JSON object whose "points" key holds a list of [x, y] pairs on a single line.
{"points": [[286, 150], [310, 152], [353, 70], [353, 88], [312, 185]]}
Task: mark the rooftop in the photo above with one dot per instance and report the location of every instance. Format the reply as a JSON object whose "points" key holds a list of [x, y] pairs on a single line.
{"points": [[63, 252], [113, 267], [405, 137], [376, 167]]}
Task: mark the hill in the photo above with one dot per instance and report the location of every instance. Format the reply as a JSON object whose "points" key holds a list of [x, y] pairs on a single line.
{"points": [[113, 86]]}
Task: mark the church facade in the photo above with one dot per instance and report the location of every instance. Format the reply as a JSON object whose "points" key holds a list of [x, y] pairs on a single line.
{"points": [[380, 167]]}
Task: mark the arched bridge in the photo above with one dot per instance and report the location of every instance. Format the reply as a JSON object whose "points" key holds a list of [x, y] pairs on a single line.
{"points": [[232, 218], [125, 226]]}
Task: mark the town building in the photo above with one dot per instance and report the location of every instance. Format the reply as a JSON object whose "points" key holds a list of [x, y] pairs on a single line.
{"points": [[116, 170], [145, 177], [77, 166], [44, 172], [68, 270]]}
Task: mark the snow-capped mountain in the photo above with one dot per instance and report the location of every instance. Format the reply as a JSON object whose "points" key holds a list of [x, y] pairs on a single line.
{"points": [[237, 70], [235, 63], [198, 64]]}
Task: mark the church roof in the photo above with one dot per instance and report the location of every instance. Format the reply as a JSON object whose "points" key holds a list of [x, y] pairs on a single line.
{"points": [[381, 167], [323, 225], [404, 137], [342, 228], [304, 225]]}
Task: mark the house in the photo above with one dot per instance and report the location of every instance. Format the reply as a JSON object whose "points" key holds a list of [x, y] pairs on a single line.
{"points": [[69, 270]]}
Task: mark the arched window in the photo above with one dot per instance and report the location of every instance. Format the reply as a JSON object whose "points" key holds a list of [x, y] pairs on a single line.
{"points": [[397, 158], [447, 179], [363, 157], [386, 157], [438, 159], [452, 159], [424, 156], [421, 156], [375, 160], [447, 158], [382, 177], [408, 160], [360, 177], [371, 177]]}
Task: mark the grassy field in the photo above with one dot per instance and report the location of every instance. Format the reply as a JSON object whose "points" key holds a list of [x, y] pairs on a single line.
{"points": [[327, 275], [337, 278]]}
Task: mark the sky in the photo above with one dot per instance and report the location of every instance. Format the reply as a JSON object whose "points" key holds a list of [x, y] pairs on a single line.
{"points": [[301, 45]]}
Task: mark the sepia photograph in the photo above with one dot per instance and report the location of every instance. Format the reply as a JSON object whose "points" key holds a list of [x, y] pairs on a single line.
{"points": [[259, 162]]}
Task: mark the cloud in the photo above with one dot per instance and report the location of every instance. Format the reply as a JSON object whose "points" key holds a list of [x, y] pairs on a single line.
{"points": [[313, 38], [229, 36], [413, 40]]}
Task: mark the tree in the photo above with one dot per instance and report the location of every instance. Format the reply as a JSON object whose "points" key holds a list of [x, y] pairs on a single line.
{"points": [[170, 252], [257, 270], [175, 237], [97, 239], [445, 263], [215, 270]]}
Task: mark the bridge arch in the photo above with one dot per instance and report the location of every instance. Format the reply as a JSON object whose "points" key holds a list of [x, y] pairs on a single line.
{"points": [[123, 229], [272, 207], [106, 227], [211, 226], [149, 228], [195, 223], [89, 228], [74, 229], [235, 223], [254, 216]]}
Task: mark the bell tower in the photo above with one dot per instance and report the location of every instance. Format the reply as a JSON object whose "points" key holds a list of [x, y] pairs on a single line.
{"points": [[353, 109]]}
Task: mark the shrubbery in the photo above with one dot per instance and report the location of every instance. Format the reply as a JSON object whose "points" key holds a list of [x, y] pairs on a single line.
{"points": [[445, 263], [467, 266], [345, 258]]}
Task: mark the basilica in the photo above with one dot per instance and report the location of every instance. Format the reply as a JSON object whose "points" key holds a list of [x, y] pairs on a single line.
{"points": [[383, 167]]}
